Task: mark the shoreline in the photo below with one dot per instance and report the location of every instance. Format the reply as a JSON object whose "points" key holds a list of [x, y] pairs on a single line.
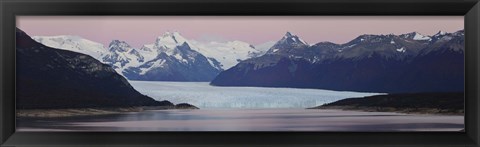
{"points": [[440, 103], [421, 111], [71, 112]]}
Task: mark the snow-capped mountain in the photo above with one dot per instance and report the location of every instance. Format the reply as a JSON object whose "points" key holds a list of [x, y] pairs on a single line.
{"points": [[227, 53], [74, 43], [175, 61], [121, 56], [416, 36], [168, 42], [289, 43], [368, 63]]}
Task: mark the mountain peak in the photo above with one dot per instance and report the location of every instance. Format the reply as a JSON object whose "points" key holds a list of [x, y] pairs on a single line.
{"points": [[170, 40], [440, 32], [288, 43], [113, 42], [416, 36], [288, 34], [171, 34], [290, 38], [419, 36], [118, 45]]}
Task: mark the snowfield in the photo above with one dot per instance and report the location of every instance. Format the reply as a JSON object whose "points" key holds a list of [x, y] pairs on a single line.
{"points": [[75, 44], [202, 95]]}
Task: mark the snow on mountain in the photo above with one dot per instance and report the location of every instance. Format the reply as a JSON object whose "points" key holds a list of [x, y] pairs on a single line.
{"points": [[227, 53], [57, 78], [440, 33], [121, 56], [148, 51], [288, 43], [181, 63], [416, 36], [294, 38], [221, 55], [73, 43], [171, 58], [380, 63], [156, 64], [420, 37], [169, 41]]}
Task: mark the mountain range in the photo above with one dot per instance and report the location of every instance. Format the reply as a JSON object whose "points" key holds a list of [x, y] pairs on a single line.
{"points": [[390, 63], [52, 78], [170, 58]]}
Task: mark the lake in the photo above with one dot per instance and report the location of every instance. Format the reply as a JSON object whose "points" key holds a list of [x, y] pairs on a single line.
{"points": [[245, 109], [247, 120]]}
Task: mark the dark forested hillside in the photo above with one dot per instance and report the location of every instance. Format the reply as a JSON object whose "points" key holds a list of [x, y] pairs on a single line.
{"points": [[369, 63], [53, 78]]}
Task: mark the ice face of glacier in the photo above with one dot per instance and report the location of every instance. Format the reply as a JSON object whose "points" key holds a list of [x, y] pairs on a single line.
{"points": [[202, 95]]}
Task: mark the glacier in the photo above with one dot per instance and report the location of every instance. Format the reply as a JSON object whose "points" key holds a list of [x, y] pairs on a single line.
{"points": [[203, 95]]}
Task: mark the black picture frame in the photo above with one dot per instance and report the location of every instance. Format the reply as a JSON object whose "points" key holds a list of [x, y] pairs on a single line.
{"points": [[11, 8]]}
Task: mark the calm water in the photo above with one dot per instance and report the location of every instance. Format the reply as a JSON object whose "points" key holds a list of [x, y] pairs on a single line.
{"points": [[247, 120]]}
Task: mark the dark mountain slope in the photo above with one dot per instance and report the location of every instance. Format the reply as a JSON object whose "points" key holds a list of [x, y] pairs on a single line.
{"points": [[52, 78], [430, 103], [406, 63]]}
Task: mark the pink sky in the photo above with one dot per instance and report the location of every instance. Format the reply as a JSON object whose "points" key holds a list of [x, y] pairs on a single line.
{"points": [[139, 30]]}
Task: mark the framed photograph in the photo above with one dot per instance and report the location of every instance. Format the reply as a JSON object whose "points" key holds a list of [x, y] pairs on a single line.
{"points": [[236, 73]]}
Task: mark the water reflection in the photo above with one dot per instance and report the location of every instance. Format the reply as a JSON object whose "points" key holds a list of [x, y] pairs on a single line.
{"points": [[247, 120]]}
